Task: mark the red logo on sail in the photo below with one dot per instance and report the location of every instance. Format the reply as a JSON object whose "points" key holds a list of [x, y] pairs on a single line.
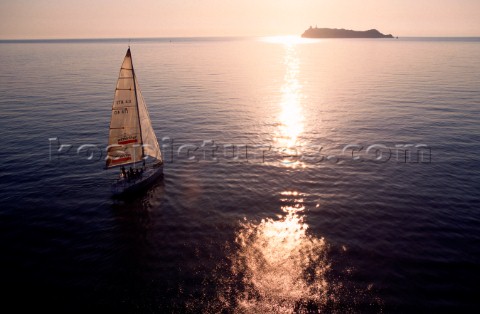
{"points": [[127, 139], [119, 160]]}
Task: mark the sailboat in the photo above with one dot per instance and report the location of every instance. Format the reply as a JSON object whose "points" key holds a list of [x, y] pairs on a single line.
{"points": [[132, 144]]}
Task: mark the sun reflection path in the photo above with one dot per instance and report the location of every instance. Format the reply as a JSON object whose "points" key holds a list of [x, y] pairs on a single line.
{"points": [[291, 118], [281, 266], [288, 40]]}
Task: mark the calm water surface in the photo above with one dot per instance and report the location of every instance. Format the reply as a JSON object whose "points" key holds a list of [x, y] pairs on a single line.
{"points": [[320, 175]]}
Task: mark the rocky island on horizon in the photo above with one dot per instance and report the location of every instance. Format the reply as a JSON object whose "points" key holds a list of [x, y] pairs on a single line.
{"points": [[342, 33]]}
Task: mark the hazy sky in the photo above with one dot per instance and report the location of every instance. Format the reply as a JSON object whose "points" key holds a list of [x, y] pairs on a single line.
{"points": [[162, 18]]}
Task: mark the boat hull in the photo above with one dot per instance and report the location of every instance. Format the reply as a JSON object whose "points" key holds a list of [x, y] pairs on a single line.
{"points": [[127, 187]]}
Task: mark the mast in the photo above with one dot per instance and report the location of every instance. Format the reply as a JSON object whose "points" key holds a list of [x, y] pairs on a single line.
{"points": [[136, 102]]}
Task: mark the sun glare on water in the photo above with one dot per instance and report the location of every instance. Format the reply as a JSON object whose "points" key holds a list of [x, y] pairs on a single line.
{"points": [[281, 265], [287, 40], [291, 117]]}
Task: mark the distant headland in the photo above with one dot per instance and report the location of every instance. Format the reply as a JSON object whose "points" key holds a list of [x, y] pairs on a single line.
{"points": [[342, 33]]}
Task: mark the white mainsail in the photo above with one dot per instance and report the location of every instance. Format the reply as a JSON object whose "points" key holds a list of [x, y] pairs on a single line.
{"points": [[131, 136]]}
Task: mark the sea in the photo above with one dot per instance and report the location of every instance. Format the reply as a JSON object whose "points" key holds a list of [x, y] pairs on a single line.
{"points": [[300, 176]]}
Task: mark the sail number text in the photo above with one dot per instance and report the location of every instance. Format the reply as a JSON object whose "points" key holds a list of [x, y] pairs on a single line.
{"points": [[121, 102], [123, 110]]}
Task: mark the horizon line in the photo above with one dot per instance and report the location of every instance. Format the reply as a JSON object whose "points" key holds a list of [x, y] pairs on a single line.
{"points": [[190, 37]]}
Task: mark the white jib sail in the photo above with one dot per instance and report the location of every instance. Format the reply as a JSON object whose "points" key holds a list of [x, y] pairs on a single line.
{"points": [[150, 142]]}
